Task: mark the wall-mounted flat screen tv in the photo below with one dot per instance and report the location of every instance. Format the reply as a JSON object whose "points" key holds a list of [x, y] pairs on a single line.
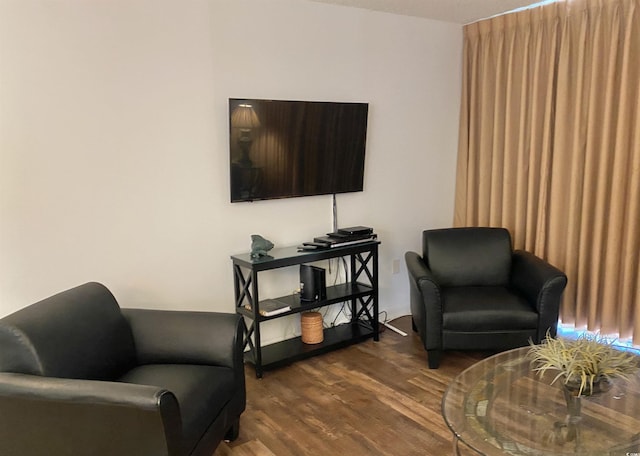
{"points": [[284, 149]]}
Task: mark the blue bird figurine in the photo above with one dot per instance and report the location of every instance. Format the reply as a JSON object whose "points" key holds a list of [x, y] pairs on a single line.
{"points": [[260, 246]]}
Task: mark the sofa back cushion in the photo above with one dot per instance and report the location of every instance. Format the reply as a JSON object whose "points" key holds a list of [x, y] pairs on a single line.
{"points": [[78, 333], [474, 256]]}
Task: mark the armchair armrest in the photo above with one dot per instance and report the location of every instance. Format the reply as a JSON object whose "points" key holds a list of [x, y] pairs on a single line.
{"points": [[69, 417], [542, 285], [184, 337], [426, 306]]}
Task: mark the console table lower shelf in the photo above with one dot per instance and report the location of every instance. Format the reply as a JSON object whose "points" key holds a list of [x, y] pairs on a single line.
{"points": [[291, 350]]}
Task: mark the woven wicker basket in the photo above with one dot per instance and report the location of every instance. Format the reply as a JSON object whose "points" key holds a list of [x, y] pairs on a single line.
{"points": [[311, 325]]}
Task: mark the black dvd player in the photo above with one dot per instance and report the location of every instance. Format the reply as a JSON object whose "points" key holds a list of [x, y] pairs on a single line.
{"points": [[355, 230]]}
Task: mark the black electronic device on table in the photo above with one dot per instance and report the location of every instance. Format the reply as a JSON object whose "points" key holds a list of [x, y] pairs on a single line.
{"points": [[341, 237], [328, 241], [313, 284], [316, 244], [355, 231], [310, 246]]}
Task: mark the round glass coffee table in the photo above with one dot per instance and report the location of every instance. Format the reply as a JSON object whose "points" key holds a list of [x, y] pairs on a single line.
{"points": [[500, 406]]}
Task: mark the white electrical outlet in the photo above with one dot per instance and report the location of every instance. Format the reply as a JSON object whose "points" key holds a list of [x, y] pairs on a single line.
{"points": [[395, 266]]}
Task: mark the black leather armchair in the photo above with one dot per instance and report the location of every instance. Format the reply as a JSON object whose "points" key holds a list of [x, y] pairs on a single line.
{"points": [[79, 376], [469, 290]]}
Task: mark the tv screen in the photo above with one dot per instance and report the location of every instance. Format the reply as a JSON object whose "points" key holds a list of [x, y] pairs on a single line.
{"points": [[284, 149]]}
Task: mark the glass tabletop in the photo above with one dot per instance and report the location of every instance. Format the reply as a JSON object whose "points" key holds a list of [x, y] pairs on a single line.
{"points": [[500, 406]]}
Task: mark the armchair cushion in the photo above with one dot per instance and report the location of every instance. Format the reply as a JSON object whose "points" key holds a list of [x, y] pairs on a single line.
{"points": [[486, 309], [186, 337], [468, 256], [201, 391]]}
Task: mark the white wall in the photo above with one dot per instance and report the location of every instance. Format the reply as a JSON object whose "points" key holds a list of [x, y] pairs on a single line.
{"points": [[114, 139]]}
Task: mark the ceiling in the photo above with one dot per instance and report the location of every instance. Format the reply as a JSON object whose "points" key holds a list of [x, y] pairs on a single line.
{"points": [[457, 11]]}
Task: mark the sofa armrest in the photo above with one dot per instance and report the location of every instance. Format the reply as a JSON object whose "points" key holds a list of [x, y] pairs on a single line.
{"points": [[68, 417], [183, 337], [426, 305], [542, 285]]}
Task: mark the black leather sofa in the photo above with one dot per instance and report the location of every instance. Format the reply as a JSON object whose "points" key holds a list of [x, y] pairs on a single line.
{"points": [[470, 290], [80, 376]]}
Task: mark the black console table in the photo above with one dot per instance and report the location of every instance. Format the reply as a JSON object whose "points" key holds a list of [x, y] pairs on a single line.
{"points": [[361, 291]]}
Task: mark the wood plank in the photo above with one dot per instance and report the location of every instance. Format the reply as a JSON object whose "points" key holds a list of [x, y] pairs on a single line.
{"points": [[372, 398]]}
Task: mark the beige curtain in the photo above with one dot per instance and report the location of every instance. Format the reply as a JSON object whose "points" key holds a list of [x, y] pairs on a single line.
{"points": [[550, 148]]}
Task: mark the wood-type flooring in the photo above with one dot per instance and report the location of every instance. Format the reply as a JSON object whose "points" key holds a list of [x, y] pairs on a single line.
{"points": [[369, 399]]}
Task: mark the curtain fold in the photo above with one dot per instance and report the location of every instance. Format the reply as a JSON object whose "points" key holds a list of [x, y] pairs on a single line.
{"points": [[549, 147]]}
